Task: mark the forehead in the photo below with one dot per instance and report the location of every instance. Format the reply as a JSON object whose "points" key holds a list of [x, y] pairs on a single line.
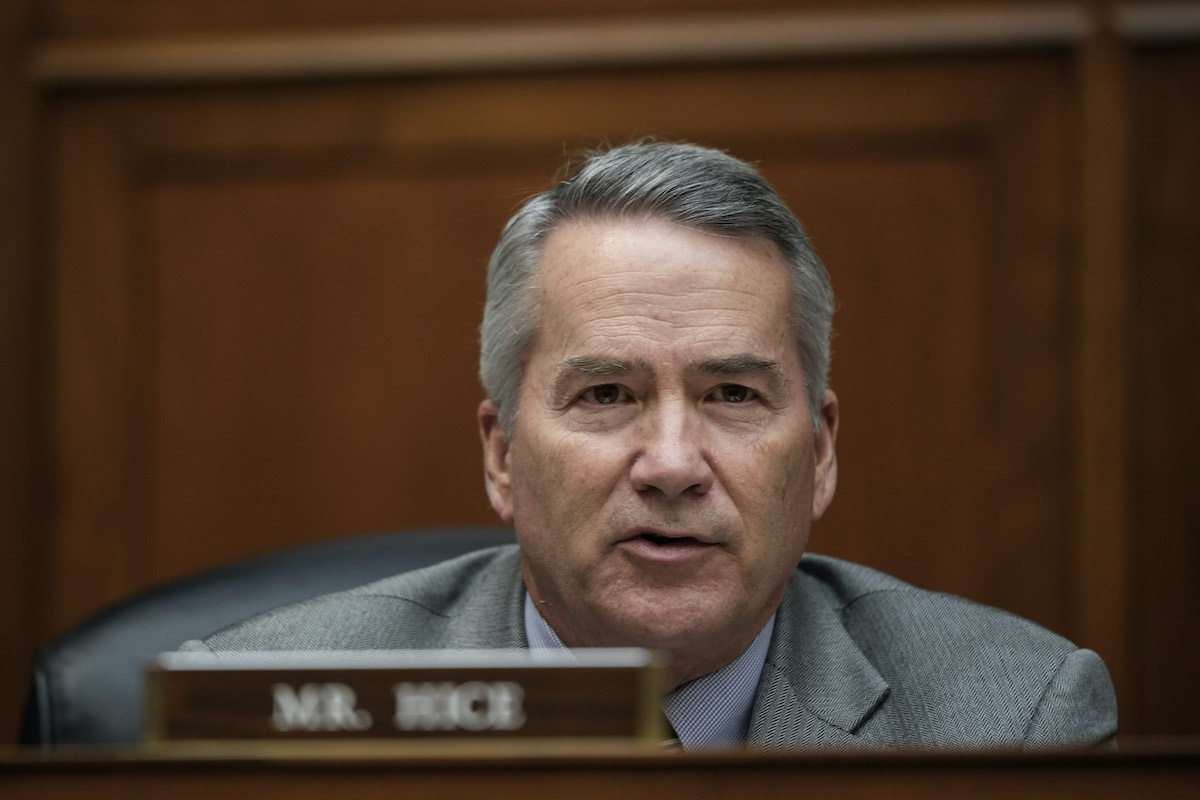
{"points": [[655, 274]]}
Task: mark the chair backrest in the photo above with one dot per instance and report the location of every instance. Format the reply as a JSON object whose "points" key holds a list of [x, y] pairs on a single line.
{"points": [[87, 683]]}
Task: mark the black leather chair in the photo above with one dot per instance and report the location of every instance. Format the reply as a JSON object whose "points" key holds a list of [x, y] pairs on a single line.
{"points": [[87, 683]]}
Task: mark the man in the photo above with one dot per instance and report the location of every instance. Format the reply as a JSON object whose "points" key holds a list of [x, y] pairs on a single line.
{"points": [[659, 433]]}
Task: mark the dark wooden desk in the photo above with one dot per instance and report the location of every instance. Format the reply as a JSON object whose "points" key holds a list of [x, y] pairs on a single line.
{"points": [[1161, 771]]}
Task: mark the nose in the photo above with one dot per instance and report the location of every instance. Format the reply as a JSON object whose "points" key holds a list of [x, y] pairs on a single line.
{"points": [[671, 458]]}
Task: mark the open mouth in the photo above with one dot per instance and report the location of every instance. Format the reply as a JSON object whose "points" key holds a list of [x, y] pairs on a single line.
{"points": [[668, 541]]}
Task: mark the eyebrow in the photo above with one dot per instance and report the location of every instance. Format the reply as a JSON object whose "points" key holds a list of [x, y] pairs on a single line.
{"points": [[599, 367], [739, 364], [594, 367], [723, 366], [746, 364]]}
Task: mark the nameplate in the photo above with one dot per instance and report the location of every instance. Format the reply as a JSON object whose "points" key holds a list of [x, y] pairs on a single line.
{"points": [[610, 694]]}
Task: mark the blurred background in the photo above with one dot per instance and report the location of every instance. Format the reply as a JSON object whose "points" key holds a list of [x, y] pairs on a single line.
{"points": [[242, 249]]}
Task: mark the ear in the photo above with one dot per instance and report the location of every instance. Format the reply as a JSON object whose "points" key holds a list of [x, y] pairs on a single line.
{"points": [[825, 475], [497, 478]]}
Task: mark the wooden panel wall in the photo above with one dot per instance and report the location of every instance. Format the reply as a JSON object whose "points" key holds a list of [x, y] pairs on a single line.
{"points": [[264, 268], [1165, 378], [21, 347]]}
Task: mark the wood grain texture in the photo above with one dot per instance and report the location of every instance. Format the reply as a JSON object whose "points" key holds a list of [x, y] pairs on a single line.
{"points": [[519, 771], [268, 330], [553, 45], [1165, 455], [90, 19], [23, 493], [1101, 547]]}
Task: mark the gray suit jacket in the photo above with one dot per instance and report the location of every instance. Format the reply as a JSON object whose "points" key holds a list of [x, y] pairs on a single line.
{"points": [[857, 658]]}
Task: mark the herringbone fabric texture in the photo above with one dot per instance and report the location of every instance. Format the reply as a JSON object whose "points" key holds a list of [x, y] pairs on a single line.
{"points": [[857, 659]]}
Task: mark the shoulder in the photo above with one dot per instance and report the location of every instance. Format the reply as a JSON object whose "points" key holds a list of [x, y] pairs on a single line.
{"points": [[961, 671], [444, 588], [470, 601], [879, 605]]}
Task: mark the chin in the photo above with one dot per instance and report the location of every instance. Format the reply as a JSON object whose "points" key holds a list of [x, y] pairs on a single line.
{"points": [[671, 625]]}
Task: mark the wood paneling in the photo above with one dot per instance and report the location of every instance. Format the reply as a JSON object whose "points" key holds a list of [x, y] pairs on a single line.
{"points": [[314, 337], [552, 45], [266, 330], [99, 18], [948, 359], [1165, 386], [561, 768], [23, 500], [261, 289], [1100, 485]]}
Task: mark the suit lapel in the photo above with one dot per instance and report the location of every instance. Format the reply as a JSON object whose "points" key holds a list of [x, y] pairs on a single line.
{"points": [[817, 687]]}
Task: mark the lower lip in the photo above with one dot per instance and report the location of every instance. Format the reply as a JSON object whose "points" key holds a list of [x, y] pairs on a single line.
{"points": [[677, 553]]}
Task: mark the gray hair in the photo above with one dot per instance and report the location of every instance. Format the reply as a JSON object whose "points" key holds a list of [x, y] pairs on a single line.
{"points": [[697, 187]]}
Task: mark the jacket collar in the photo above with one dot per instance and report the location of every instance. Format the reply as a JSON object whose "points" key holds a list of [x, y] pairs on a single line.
{"points": [[817, 686]]}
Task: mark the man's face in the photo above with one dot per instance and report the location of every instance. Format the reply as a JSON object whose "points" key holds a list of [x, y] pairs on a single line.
{"points": [[663, 471]]}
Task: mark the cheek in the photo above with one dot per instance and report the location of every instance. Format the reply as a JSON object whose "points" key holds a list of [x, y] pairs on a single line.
{"points": [[531, 470], [797, 473], [773, 485], [557, 483]]}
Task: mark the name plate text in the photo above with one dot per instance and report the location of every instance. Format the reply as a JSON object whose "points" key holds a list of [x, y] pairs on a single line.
{"points": [[582, 694]]}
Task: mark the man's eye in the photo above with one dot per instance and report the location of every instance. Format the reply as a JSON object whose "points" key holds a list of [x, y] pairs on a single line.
{"points": [[605, 394], [733, 393]]}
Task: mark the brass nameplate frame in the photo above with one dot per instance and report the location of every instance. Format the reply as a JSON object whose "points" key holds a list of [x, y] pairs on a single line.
{"points": [[612, 694]]}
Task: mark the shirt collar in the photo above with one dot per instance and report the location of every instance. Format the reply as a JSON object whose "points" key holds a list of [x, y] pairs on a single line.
{"points": [[711, 711]]}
